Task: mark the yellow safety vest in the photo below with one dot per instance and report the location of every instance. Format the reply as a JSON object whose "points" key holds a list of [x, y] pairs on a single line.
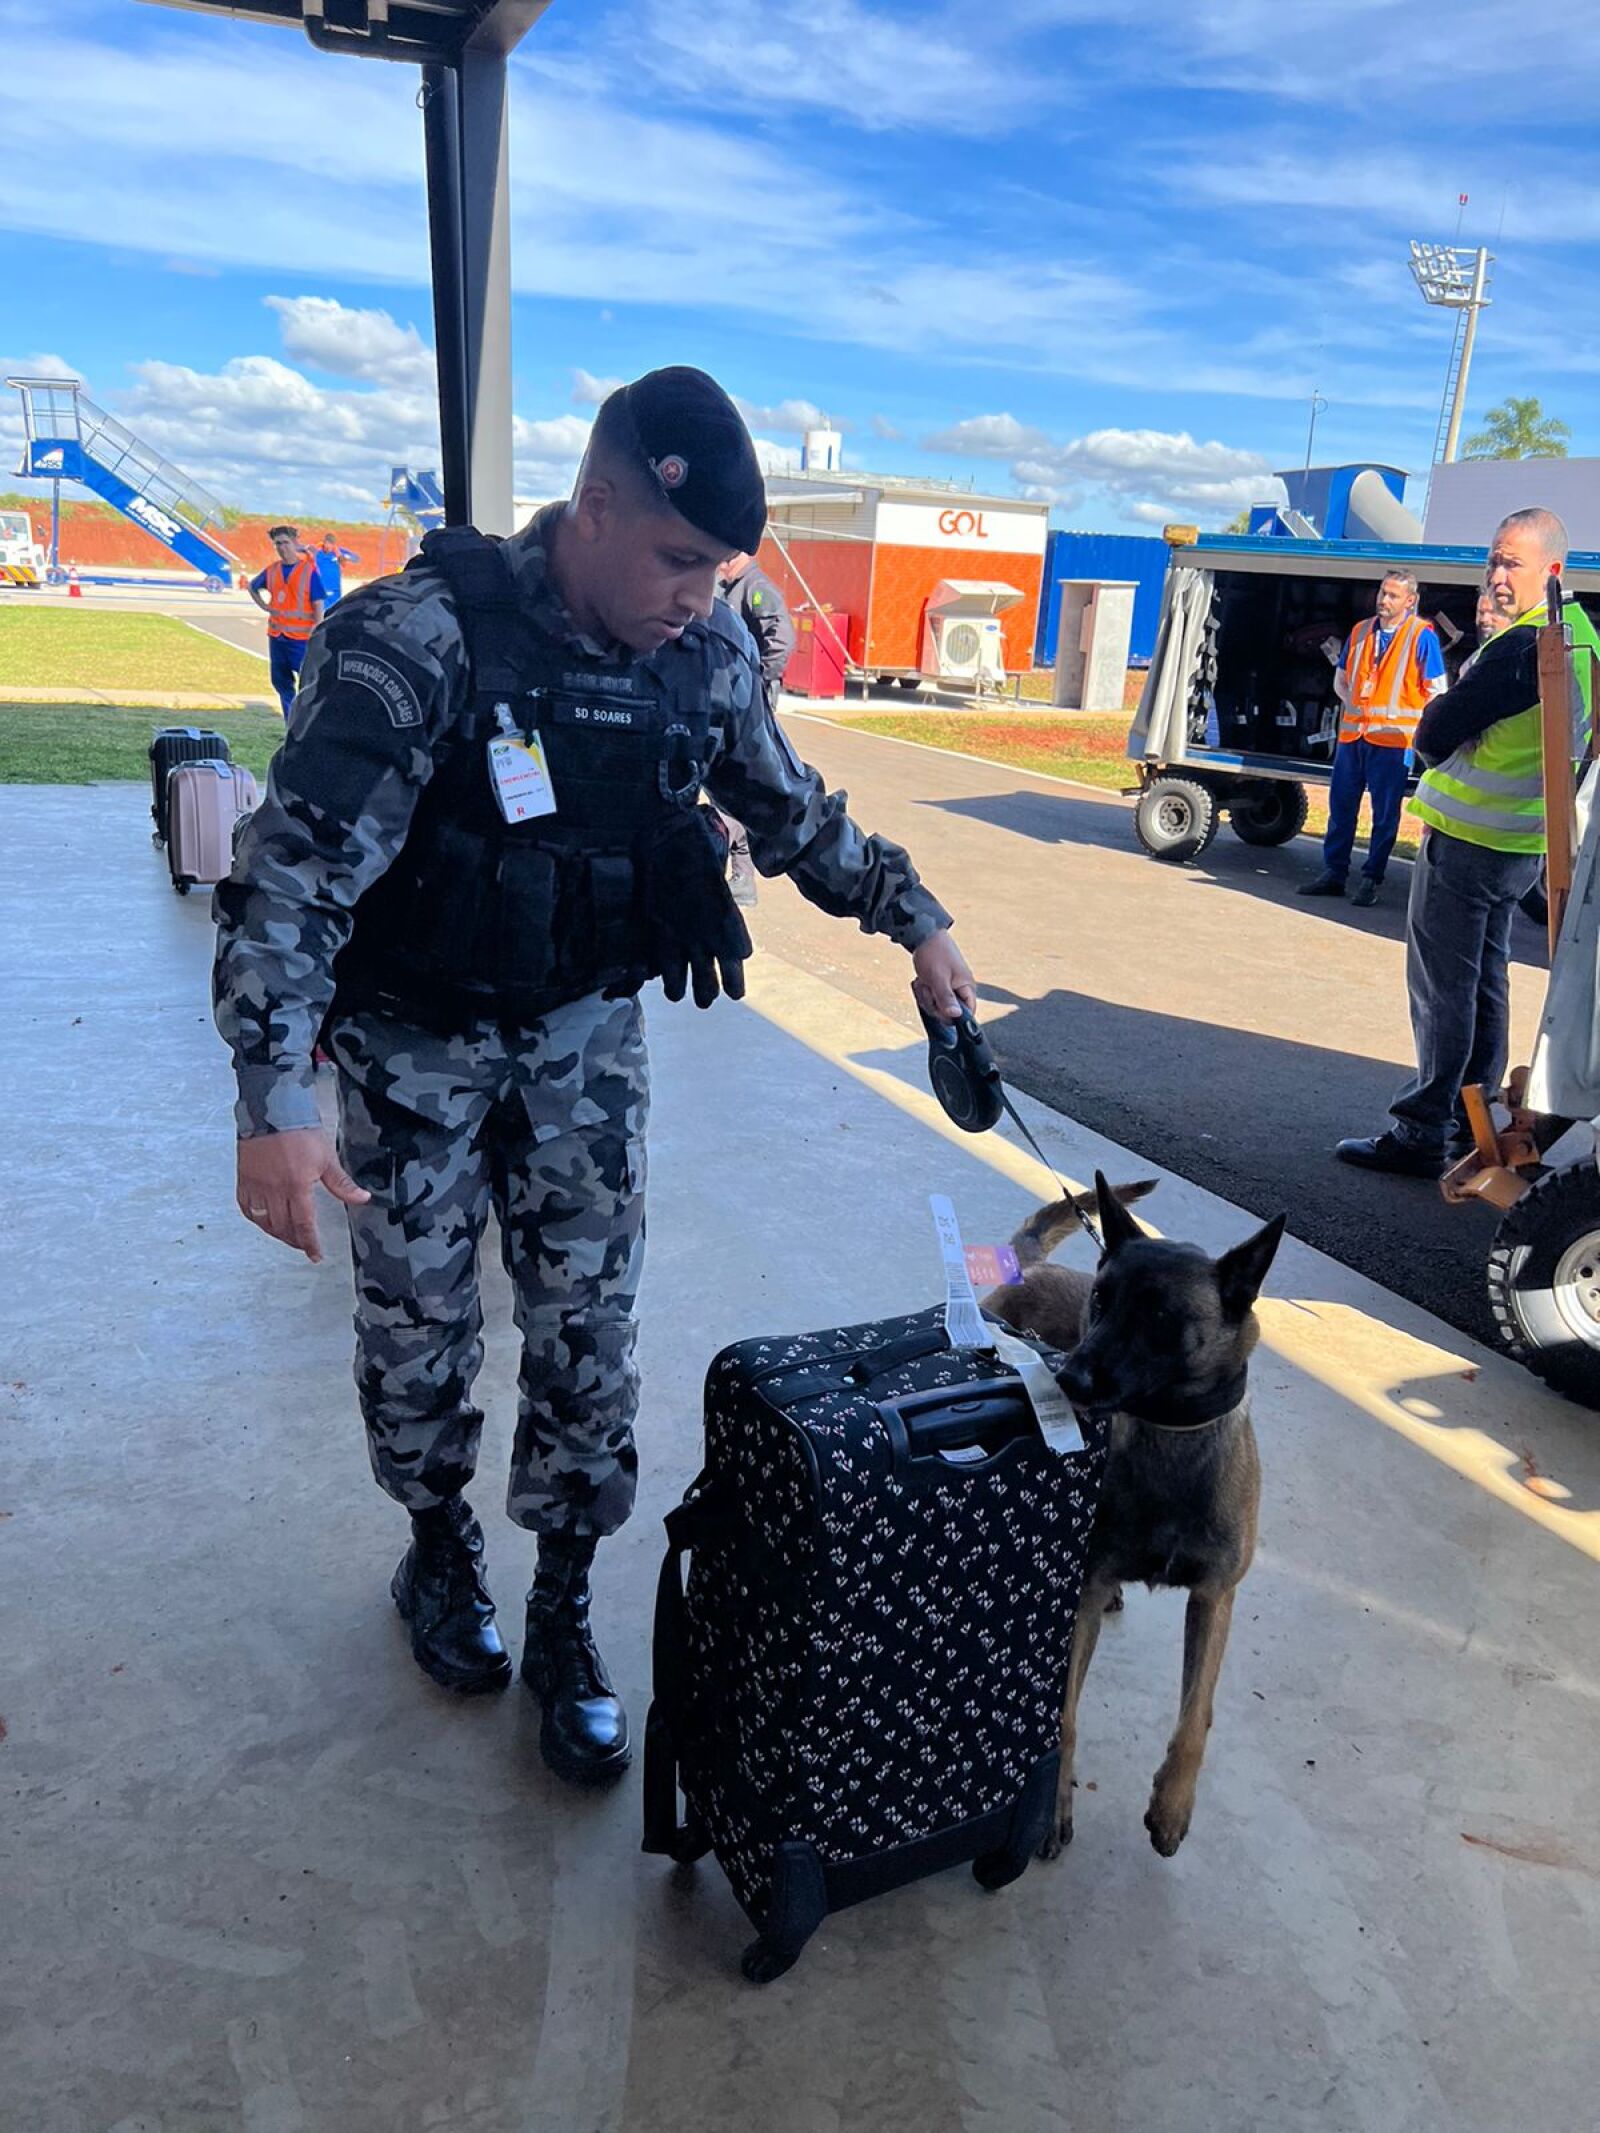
{"points": [[1491, 791]]}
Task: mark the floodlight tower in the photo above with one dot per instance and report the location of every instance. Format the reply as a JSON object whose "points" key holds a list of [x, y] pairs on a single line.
{"points": [[1457, 278]]}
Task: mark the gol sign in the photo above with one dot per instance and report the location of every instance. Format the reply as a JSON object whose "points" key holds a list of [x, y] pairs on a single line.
{"points": [[964, 525]]}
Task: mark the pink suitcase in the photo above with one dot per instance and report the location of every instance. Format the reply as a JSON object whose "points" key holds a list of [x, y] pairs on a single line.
{"points": [[204, 800]]}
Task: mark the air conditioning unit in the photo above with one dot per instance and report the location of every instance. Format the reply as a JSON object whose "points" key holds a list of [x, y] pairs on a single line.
{"points": [[968, 648]]}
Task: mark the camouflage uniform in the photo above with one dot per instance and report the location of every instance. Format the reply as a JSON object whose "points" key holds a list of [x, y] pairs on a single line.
{"points": [[545, 1123]]}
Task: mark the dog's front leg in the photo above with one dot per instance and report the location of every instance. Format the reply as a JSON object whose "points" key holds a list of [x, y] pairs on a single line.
{"points": [[1091, 1607], [1205, 1639]]}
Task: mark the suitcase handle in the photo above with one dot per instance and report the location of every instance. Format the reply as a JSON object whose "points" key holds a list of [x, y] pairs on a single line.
{"points": [[966, 1429]]}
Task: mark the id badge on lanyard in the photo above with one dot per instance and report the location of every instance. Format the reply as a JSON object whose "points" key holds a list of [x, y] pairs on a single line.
{"points": [[518, 771]]}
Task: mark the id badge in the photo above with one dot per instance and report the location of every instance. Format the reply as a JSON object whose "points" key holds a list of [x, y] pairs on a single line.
{"points": [[521, 777]]}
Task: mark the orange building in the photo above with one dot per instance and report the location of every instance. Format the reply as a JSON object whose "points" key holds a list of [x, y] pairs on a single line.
{"points": [[882, 553]]}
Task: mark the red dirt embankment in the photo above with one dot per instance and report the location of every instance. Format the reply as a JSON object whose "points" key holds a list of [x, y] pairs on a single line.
{"points": [[94, 537]]}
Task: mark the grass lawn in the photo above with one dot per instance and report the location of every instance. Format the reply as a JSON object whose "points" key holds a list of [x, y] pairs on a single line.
{"points": [[80, 744], [78, 648], [1067, 744]]}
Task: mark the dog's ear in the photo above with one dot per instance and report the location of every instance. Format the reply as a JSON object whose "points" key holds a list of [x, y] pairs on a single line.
{"points": [[1117, 1226], [1241, 1272]]}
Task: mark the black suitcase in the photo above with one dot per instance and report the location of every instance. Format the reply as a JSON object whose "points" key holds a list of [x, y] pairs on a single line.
{"points": [[862, 1681], [170, 746]]}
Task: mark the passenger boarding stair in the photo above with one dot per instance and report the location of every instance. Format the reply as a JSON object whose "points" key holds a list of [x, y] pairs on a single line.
{"points": [[68, 438]]}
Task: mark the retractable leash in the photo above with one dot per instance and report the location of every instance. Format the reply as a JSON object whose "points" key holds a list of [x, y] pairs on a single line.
{"points": [[971, 1094]]}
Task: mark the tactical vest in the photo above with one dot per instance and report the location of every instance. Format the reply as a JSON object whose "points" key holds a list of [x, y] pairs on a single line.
{"points": [[480, 918], [1491, 792]]}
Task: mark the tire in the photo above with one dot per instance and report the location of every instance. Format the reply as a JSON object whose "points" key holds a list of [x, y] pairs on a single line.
{"points": [[1544, 1281], [213, 583], [1175, 819], [1270, 814], [911, 683]]}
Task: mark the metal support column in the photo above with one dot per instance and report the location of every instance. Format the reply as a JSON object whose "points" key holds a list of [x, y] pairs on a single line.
{"points": [[441, 126], [486, 199], [469, 217]]}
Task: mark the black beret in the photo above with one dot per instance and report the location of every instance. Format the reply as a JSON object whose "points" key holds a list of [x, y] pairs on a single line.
{"points": [[693, 441]]}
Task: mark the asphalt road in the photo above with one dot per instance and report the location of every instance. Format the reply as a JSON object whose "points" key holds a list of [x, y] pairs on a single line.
{"points": [[1203, 1015]]}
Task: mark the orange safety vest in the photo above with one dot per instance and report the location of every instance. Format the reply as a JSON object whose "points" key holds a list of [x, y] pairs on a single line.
{"points": [[289, 588], [1387, 695]]}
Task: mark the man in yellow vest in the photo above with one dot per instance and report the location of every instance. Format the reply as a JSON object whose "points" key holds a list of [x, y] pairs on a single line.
{"points": [[1391, 667], [1482, 803]]}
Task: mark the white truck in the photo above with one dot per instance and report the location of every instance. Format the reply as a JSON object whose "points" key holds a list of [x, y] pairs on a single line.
{"points": [[22, 560]]}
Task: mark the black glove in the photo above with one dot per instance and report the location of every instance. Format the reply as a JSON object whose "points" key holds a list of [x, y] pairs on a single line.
{"points": [[694, 924]]}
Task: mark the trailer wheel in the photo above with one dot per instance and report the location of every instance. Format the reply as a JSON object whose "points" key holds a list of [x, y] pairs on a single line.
{"points": [[1175, 818], [213, 583], [1270, 813], [1544, 1281]]}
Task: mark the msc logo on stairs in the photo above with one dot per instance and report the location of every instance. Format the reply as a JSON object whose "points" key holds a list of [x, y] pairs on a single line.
{"points": [[151, 516]]}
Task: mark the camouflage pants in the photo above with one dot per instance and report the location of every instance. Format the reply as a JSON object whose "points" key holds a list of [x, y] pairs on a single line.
{"points": [[546, 1126]]}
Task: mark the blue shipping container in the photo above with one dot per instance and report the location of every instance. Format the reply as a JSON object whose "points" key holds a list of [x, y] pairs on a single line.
{"points": [[1134, 558]]}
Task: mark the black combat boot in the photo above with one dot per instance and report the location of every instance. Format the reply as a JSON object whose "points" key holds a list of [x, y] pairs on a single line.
{"points": [[440, 1592], [584, 1733]]}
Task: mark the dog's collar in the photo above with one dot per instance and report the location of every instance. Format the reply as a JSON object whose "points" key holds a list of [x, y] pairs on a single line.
{"points": [[1194, 1412]]}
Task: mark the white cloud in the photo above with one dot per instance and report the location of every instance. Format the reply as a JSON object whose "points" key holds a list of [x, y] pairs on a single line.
{"points": [[1145, 475], [883, 427], [841, 55], [792, 416], [259, 432], [352, 344], [589, 391], [986, 436]]}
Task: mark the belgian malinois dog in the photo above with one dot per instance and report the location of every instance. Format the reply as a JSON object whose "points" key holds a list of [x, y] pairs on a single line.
{"points": [[1159, 1342]]}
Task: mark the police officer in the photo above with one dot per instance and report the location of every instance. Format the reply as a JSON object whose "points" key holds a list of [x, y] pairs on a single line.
{"points": [[480, 839], [760, 607]]}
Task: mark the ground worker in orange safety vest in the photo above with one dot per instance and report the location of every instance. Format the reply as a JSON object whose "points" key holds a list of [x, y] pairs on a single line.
{"points": [[290, 592], [1390, 669]]}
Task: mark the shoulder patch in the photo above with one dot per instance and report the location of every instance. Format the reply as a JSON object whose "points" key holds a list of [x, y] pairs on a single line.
{"points": [[387, 683]]}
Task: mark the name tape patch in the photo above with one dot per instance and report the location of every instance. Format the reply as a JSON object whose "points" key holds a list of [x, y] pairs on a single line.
{"points": [[390, 686]]}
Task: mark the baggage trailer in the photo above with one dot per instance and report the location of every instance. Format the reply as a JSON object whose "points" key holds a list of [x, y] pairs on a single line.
{"points": [[1238, 716]]}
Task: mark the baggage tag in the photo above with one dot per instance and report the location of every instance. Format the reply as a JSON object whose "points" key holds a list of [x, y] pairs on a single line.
{"points": [[966, 1327], [963, 1322], [521, 777]]}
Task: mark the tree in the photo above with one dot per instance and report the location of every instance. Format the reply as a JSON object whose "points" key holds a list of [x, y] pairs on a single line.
{"points": [[1240, 522], [1519, 429]]}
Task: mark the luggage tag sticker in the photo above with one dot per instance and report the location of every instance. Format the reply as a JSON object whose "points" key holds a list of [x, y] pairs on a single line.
{"points": [[963, 1322], [521, 777], [992, 1266]]}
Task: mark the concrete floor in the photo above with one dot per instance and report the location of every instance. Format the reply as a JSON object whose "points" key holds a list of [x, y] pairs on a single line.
{"points": [[261, 1875]]}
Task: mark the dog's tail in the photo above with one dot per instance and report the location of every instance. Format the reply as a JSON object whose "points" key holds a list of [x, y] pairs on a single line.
{"points": [[1042, 1232]]}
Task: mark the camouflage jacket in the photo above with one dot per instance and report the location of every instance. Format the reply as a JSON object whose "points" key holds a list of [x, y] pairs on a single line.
{"points": [[385, 675]]}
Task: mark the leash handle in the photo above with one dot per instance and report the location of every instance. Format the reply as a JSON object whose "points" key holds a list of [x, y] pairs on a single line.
{"points": [[966, 1080]]}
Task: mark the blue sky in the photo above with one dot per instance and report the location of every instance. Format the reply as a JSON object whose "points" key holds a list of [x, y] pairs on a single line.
{"points": [[1099, 250]]}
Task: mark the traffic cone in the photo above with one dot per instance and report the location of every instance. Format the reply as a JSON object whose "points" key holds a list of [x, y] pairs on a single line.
{"points": [[74, 589]]}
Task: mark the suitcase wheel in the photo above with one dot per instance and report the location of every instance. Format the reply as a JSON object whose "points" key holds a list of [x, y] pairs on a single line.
{"points": [[799, 1905], [183, 887], [997, 1869], [689, 1843], [763, 1960]]}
